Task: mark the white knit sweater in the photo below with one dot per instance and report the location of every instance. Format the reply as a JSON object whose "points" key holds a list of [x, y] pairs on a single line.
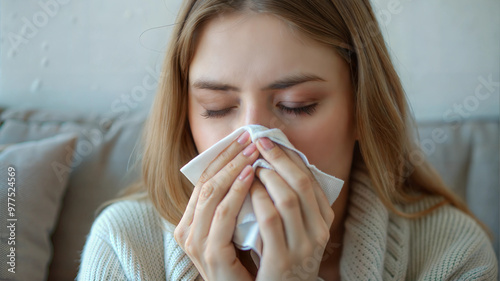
{"points": [[130, 241]]}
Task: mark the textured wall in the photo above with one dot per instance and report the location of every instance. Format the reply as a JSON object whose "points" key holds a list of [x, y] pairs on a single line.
{"points": [[90, 56], [447, 53], [99, 56]]}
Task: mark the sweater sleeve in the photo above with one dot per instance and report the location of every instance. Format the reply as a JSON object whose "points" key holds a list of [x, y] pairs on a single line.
{"points": [[125, 243], [479, 263], [453, 246], [99, 261]]}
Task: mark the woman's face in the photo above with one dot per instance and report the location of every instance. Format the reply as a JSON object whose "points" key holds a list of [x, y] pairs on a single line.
{"points": [[253, 69]]}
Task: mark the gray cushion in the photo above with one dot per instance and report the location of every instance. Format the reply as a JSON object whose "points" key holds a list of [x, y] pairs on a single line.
{"points": [[102, 166], [467, 158], [39, 174]]}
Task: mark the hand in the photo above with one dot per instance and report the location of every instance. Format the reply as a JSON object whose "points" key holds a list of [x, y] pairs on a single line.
{"points": [[206, 229], [294, 216]]}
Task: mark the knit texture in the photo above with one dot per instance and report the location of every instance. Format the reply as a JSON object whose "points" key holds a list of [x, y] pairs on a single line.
{"points": [[443, 245], [130, 241]]}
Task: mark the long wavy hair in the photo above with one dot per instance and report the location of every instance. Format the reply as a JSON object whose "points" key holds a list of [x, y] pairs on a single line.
{"points": [[387, 143]]}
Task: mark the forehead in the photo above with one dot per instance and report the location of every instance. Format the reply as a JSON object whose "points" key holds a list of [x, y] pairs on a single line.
{"points": [[257, 47]]}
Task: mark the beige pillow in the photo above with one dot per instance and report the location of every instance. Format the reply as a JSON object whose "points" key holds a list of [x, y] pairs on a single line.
{"points": [[39, 172]]}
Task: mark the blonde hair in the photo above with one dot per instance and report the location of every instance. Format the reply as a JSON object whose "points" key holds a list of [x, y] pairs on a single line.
{"points": [[383, 121]]}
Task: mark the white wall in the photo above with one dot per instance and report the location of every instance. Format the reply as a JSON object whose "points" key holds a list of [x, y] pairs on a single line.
{"points": [[445, 51], [90, 56]]}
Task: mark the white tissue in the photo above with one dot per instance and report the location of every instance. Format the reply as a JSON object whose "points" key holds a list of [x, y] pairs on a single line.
{"points": [[246, 235]]}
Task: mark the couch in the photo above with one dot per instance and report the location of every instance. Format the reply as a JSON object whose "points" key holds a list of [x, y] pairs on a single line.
{"points": [[68, 164]]}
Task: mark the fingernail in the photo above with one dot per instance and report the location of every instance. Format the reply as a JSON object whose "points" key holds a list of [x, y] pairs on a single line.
{"points": [[244, 137], [245, 173], [250, 149], [266, 143]]}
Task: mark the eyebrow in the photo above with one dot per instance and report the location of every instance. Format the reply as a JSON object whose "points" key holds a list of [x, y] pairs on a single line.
{"points": [[280, 84]]}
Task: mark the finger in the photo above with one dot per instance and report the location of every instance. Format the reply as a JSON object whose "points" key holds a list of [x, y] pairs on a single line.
{"points": [[215, 189], [296, 159], [269, 220], [324, 205], [300, 181], [321, 200], [287, 203], [224, 221], [216, 165], [225, 156]]}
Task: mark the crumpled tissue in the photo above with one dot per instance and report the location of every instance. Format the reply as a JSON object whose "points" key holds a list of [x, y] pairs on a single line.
{"points": [[246, 235]]}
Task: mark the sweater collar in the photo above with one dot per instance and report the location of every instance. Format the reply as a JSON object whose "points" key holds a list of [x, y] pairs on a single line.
{"points": [[375, 241]]}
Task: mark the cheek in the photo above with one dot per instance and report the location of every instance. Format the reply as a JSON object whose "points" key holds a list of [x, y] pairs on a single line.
{"points": [[198, 130], [205, 132], [203, 136], [328, 144], [333, 154]]}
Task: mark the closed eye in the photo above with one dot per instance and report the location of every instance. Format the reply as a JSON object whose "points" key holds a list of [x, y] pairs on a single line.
{"points": [[216, 113], [309, 110]]}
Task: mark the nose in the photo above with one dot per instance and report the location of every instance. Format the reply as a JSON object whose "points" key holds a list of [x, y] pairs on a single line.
{"points": [[260, 114], [255, 114]]}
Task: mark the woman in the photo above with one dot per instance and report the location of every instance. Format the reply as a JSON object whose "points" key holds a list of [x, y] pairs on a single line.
{"points": [[318, 70]]}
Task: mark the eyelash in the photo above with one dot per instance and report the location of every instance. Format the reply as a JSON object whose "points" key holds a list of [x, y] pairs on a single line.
{"points": [[215, 113], [309, 110]]}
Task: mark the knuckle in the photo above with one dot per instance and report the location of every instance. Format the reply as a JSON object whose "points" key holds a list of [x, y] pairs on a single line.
{"points": [[207, 190], [306, 250], [211, 257], [260, 196], [330, 216], [275, 153], [221, 211], [289, 202], [190, 246], [223, 174], [230, 168], [271, 219], [323, 235], [239, 189], [204, 177], [225, 154], [303, 182], [179, 233]]}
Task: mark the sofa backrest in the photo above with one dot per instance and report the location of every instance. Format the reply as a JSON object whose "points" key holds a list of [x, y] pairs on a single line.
{"points": [[466, 154]]}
